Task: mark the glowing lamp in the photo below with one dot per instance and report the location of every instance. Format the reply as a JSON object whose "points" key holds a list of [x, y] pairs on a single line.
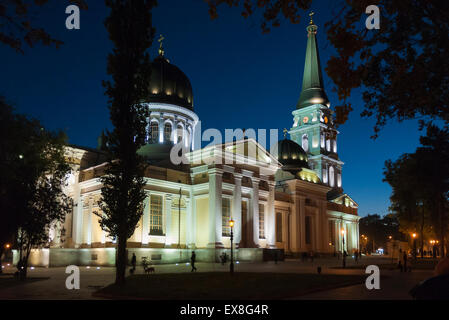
{"points": [[231, 223]]}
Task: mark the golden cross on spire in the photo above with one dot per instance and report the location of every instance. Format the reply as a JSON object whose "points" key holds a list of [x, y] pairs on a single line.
{"points": [[161, 47], [311, 14], [285, 133]]}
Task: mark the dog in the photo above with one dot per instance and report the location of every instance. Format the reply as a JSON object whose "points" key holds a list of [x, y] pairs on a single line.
{"points": [[149, 270], [132, 270]]}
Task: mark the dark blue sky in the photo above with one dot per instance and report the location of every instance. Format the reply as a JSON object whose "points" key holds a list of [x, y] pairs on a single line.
{"points": [[241, 79]]}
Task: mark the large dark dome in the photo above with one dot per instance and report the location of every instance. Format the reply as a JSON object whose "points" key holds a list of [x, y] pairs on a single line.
{"points": [[292, 156], [169, 84]]}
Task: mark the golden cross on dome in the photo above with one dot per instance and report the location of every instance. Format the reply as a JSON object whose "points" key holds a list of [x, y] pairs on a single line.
{"points": [[311, 14], [161, 47], [285, 133]]}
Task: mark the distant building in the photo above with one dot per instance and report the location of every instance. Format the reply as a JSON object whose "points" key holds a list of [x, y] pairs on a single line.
{"points": [[295, 203]]}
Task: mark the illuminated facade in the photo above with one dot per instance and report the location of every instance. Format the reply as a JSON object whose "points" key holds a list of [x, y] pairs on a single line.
{"points": [[293, 202]]}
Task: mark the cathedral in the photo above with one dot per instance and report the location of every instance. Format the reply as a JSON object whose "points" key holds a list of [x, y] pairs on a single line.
{"points": [[290, 203]]}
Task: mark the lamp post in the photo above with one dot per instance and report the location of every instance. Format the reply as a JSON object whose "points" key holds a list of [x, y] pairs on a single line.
{"points": [[414, 245], [231, 266]]}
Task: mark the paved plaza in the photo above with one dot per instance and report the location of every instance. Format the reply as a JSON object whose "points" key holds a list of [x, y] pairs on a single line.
{"points": [[394, 285]]}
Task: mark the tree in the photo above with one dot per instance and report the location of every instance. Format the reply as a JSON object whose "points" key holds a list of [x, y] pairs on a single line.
{"points": [[412, 43], [435, 149], [420, 183], [130, 29], [33, 177], [16, 27]]}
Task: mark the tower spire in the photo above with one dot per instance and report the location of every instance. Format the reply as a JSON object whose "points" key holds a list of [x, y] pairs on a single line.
{"points": [[312, 85]]}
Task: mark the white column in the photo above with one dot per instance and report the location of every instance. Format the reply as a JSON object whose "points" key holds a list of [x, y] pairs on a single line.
{"points": [[77, 219], [215, 209], [161, 128], [338, 245], [175, 130], [168, 219], [295, 226], [146, 220], [237, 208], [89, 222], [189, 234], [271, 216], [193, 220], [255, 210]]}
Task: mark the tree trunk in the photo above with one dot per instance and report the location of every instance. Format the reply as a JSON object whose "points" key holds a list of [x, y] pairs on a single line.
{"points": [[440, 213], [121, 261]]}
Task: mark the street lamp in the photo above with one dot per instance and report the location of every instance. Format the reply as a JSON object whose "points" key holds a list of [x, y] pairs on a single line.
{"points": [[414, 235], [231, 267]]}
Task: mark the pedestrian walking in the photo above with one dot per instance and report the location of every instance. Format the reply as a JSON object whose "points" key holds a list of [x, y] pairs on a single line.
{"points": [[192, 261], [134, 261]]}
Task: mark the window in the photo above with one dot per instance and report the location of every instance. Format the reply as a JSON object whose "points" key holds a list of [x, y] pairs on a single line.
{"points": [[308, 229], [226, 216], [305, 142], [180, 134], [154, 132], [156, 215], [261, 221], [278, 227], [325, 175], [167, 132], [331, 176]]}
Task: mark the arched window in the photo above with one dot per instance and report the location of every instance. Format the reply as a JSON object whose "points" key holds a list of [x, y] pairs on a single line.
{"points": [[331, 176], [322, 141], [167, 131], [305, 142], [325, 175], [154, 132], [328, 145], [179, 133]]}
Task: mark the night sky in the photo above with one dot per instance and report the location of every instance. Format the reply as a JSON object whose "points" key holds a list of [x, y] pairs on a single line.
{"points": [[241, 79]]}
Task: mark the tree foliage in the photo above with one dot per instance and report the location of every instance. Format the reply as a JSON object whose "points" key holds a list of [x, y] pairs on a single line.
{"points": [[16, 23], [33, 177], [272, 10], [130, 29]]}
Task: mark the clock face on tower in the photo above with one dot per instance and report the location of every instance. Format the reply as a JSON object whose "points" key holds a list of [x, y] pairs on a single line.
{"points": [[326, 120], [305, 120]]}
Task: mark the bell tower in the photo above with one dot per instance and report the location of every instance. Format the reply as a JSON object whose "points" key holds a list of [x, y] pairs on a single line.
{"points": [[313, 127]]}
